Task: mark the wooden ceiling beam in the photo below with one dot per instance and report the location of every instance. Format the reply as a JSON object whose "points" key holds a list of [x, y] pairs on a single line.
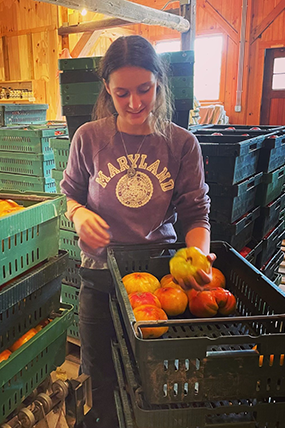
{"points": [[126, 10], [221, 20], [267, 21], [89, 27]]}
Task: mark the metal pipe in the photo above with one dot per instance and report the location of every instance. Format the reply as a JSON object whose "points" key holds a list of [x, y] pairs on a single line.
{"points": [[241, 56]]}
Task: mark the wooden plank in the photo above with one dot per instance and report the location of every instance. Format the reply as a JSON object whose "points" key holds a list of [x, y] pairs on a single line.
{"points": [[88, 45], [129, 11], [267, 21], [225, 25], [6, 58], [26, 57]]}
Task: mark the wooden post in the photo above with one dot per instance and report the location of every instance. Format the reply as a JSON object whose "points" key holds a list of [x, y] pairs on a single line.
{"points": [[188, 11]]}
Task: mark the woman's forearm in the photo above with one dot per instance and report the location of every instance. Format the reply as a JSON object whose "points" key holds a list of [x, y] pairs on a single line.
{"points": [[199, 237]]}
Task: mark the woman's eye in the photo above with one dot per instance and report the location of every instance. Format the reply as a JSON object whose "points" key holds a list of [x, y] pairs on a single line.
{"points": [[121, 94], [145, 90]]}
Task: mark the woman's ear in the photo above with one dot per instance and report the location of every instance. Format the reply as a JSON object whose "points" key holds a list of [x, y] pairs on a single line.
{"points": [[106, 86]]}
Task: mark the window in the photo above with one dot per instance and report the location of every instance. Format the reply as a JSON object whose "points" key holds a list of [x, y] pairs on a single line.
{"points": [[207, 67], [278, 79]]}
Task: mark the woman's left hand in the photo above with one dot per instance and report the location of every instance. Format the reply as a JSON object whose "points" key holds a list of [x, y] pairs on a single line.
{"points": [[205, 278]]}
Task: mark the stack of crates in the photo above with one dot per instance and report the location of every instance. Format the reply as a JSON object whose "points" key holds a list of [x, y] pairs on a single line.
{"points": [[232, 161], [15, 114], [269, 228], [26, 159], [79, 88], [180, 71], [218, 372], [31, 267], [68, 238]]}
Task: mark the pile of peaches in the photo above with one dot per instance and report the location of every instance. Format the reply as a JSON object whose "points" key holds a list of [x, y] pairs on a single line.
{"points": [[154, 299]]}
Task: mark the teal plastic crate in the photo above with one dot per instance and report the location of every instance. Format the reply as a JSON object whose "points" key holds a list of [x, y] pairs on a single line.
{"points": [[14, 114], [39, 165], [30, 365], [68, 241], [30, 138], [25, 183], [88, 63], [30, 298], [80, 88], [70, 294], [66, 224], [73, 330], [60, 147], [31, 235], [57, 175]]}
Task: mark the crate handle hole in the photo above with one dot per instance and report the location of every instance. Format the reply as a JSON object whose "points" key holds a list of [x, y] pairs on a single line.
{"points": [[196, 388]]}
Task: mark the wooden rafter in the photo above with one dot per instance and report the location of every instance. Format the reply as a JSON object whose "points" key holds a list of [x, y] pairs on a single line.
{"points": [[127, 10], [89, 27], [267, 21], [221, 20]]}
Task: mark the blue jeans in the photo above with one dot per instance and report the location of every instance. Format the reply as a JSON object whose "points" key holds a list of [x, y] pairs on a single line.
{"points": [[96, 331]]}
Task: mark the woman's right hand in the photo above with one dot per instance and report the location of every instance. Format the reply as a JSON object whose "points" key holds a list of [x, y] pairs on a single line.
{"points": [[91, 228]]}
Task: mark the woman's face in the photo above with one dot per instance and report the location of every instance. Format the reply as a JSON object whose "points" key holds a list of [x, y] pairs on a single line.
{"points": [[133, 90]]}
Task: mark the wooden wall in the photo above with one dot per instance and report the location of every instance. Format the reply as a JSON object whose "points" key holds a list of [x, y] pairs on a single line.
{"points": [[30, 46]]}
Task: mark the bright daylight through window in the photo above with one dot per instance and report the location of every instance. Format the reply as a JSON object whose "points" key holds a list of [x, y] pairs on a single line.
{"points": [[207, 68]]}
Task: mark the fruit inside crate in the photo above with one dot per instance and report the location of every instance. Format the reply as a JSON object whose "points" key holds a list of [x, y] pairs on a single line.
{"points": [[195, 356], [29, 365], [30, 235], [139, 413]]}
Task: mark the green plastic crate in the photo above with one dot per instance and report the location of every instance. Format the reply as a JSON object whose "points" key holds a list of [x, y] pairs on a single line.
{"points": [[79, 98], [271, 186], [66, 224], [80, 88], [27, 163], [60, 147], [31, 235], [30, 365], [68, 241], [70, 294], [26, 183], [73, 330], [30, 138], [139, 413], [57, 175], [13, 114], [193, 358], [30, 298], [88, 63]]}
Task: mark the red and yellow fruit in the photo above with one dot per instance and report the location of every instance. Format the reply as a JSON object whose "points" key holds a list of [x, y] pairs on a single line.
{"points": [[140, 281], [23, 339], [187, 262], [148, 313], [173, 300], [5, 355], [139, 298]]}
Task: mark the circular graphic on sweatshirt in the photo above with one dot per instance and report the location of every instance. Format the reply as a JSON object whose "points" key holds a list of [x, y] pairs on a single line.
{"points": [[136, 191]]}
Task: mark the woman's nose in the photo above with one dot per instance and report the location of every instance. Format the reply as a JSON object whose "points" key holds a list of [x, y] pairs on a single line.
{"points": [[134, 101]]}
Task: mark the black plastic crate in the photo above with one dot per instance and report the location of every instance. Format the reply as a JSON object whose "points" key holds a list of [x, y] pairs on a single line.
{"points": [[269, 217], [75, 76], [74, 122], [270, 243], [229, 203], [229, 159], [239, 233], [271, 186], [272, 265], [71, 276], [29, 299], [239, 413], [252, 250], [234, 129], [272, 154], [195, 355]]}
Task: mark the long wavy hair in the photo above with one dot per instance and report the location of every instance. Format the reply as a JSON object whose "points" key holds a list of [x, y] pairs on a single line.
{"points": [[135, 51]]}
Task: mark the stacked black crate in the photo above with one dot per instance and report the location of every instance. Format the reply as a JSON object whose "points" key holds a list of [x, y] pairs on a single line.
{"points": [[170, 381], [26, 159], [68, 239], [180, 71], [79, 88], [270, 226], [33, 322]]}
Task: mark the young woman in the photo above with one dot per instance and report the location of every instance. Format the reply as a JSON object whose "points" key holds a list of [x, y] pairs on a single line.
{"points": [[130, 174]]}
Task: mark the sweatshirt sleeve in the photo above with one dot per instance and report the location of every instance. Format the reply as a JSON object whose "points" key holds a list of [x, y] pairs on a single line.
{"points": [[190, 193], [76, 176]]}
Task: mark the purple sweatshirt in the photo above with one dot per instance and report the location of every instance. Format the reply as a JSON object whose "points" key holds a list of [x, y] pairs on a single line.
{"points": [[169, 182]]}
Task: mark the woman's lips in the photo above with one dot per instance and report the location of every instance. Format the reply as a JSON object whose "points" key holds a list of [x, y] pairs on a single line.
{"points": [[135, 112]]}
